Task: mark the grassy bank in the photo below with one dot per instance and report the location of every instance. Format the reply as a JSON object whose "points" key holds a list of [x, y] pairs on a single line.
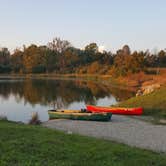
{"points": [[154, 104], [35, 145]]}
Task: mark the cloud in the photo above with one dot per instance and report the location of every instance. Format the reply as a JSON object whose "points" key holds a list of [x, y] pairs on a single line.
{"points": [[101, 49]]}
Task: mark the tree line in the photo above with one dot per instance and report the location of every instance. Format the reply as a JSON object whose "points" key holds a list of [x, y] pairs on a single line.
{"points": [[59, 56]]}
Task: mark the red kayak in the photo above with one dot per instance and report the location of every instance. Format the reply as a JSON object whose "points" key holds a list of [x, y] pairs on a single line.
{"points": [[114, 110]]}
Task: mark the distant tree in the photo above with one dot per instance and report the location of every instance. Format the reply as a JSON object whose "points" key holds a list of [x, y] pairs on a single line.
{"points": [[33, 56], [120, 63], [137, 62], [94, 68], [92, 47], [5, 60], [125, 62], [162, 58], [4, 56], [91, 53], [51, 61], [71, 57], [107, 58], [5, 68], [126, 50], [59, 56], [59, 45], [39, 69], [17, 60]]}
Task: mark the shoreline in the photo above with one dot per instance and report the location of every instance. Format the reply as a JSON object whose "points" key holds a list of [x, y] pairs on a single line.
{"points": [[134, 82], [120, 129], [107, 80], [152, 106]]}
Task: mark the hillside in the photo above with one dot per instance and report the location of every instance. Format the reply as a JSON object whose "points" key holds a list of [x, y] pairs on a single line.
{"points": [[154, 104]]}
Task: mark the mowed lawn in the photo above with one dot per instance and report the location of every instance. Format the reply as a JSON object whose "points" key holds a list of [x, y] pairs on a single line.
{"points": [[25, 145], [154, 104]]}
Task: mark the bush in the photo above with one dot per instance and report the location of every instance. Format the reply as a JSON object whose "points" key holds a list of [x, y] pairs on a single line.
{"points": [[5, 69], [94, 68], [151, 71], [39, 69], [35, 119]]}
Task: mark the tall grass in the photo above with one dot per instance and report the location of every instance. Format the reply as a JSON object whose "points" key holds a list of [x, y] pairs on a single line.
{"points": [[34, 119]]}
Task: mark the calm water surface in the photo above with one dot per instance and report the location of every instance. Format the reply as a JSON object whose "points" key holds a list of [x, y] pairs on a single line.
{"points": [[22, 97]]}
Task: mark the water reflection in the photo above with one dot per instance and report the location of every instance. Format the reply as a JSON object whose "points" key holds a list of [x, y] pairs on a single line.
{"points": [[19, 98]]}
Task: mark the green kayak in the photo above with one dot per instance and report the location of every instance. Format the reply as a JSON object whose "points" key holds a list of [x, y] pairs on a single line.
{"points": [[80, 116]]}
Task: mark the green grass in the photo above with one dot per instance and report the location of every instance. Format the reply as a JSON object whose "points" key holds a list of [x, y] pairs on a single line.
{"points": [[154, 104], [35, 145]]}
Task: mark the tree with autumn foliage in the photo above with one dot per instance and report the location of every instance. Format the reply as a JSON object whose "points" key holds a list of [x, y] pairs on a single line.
{"points": [[125, 62], [59, 56], [17, 61], [33, 59]]}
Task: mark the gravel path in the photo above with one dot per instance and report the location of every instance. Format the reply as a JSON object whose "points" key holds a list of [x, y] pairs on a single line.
{"points": [[130, 131]]}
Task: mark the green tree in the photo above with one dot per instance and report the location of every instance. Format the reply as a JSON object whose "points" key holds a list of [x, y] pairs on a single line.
{"points": [[92, 47], [4, 56], [162, 58], [51, 60], [5, 61], [91, 53]]}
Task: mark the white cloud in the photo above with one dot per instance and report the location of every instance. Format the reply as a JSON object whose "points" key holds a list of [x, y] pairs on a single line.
{"points": [[101, 49]]}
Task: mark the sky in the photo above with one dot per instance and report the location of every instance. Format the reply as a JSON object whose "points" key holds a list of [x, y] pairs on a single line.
{"points": [[110, 23]]}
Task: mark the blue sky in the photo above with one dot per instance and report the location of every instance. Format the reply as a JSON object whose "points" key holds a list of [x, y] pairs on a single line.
{"points": [[111, 23]]}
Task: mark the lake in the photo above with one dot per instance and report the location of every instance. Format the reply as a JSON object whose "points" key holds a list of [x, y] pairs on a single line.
{"points": [[19, 98]]}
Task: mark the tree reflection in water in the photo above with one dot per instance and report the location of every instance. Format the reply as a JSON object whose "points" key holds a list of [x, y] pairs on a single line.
{"points": [[58, 93]]}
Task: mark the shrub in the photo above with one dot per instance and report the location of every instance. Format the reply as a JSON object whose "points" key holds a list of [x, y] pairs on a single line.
{"points": [[5, 69], [94, 68], [35, 119], [39, 69]]}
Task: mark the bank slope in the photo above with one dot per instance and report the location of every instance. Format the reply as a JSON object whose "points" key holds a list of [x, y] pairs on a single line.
{"points": [[154, 104]]}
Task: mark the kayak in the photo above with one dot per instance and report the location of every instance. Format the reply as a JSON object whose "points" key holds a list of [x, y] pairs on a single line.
{"points": [[66, 111], [114, 110], [80, 116]]}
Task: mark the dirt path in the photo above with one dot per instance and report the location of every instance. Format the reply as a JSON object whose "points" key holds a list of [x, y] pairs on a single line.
{"points": [[130, 131]]}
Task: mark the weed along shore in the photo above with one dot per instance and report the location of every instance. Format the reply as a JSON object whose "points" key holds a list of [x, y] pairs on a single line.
{"points": [[36, 145]]}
